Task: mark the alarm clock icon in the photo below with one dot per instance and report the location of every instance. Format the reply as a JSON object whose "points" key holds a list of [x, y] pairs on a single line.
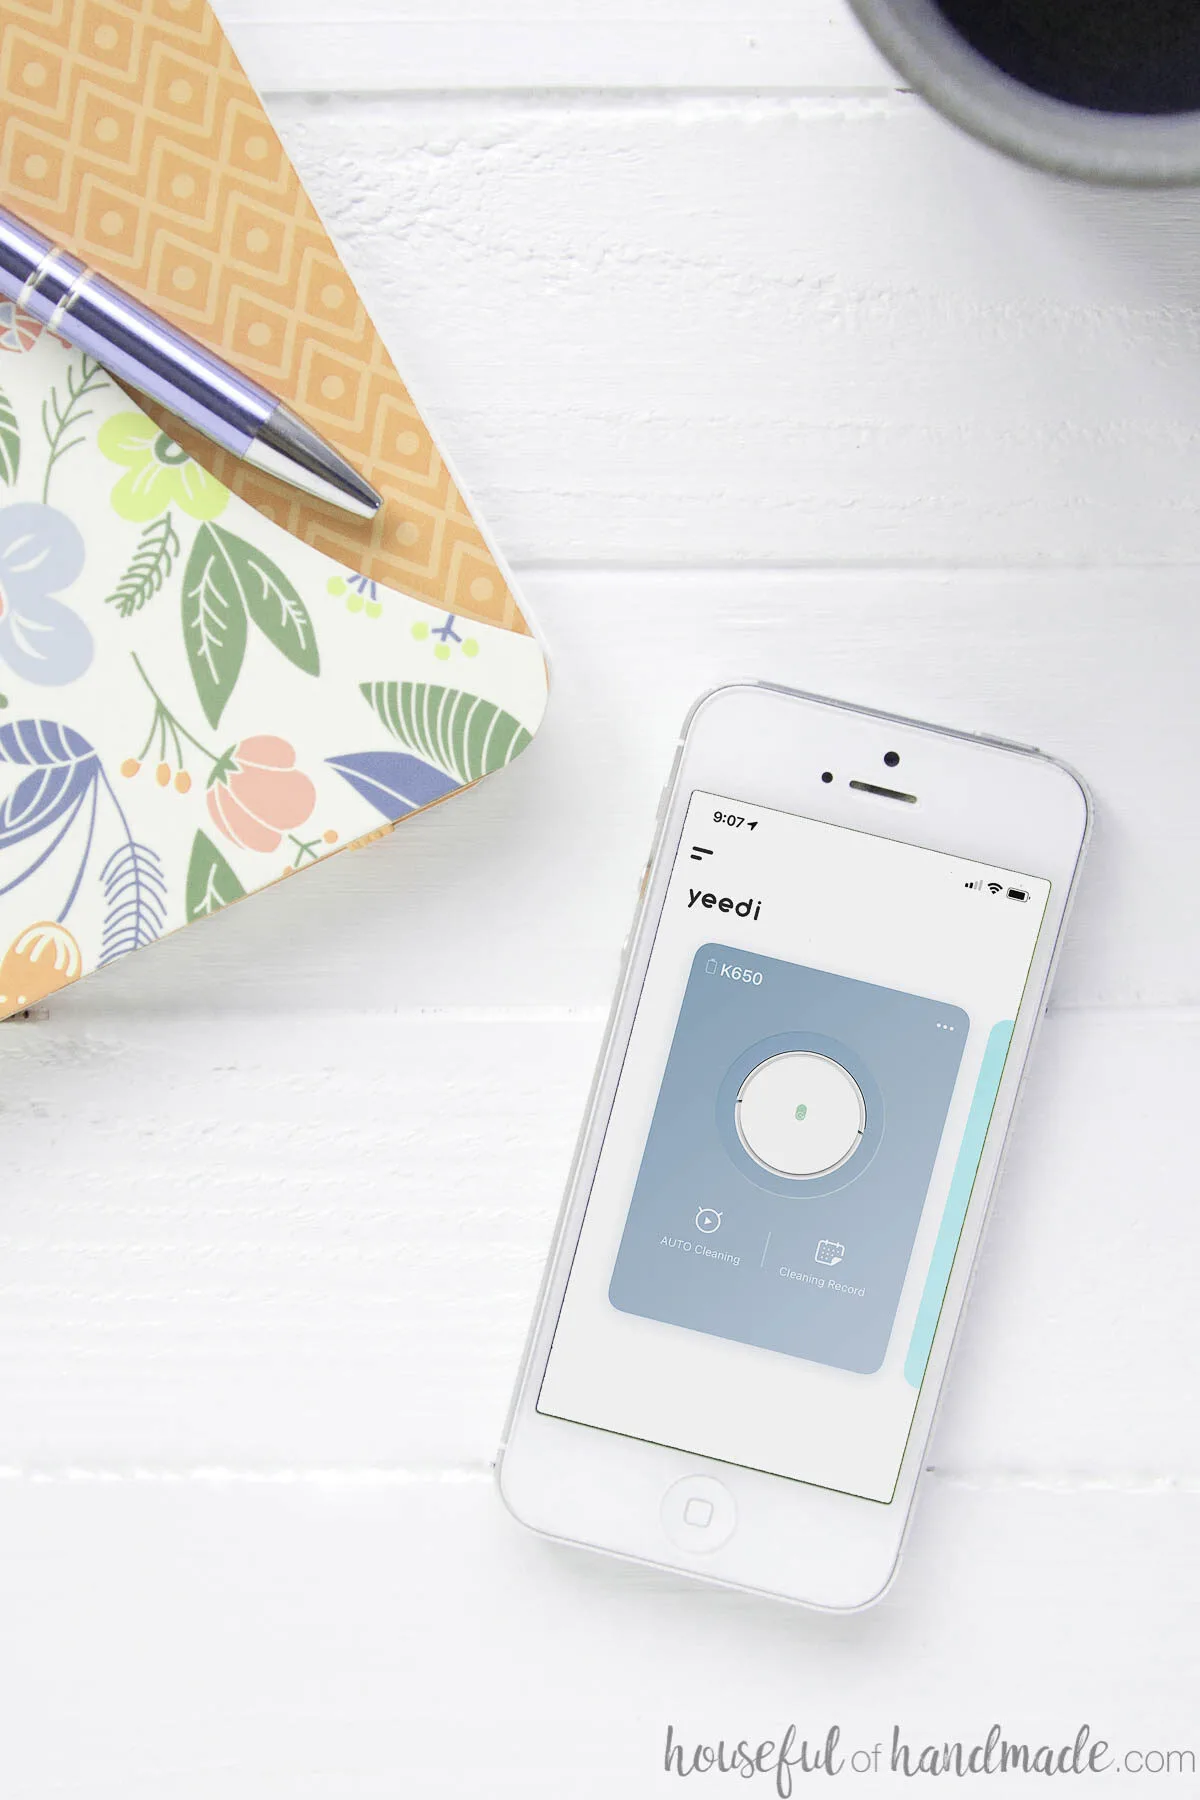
{"points": [[707, 1219]]}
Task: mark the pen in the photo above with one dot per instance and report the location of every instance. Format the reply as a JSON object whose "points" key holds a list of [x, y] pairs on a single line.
{"points": [[130, 341]]}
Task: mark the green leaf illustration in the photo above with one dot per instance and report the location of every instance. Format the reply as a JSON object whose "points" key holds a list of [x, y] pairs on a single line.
{"points": [[214, 620], [10, 441], [227, 582], [157, 549], [464, 735], [211, 883], [271, 601], [61, 417]]}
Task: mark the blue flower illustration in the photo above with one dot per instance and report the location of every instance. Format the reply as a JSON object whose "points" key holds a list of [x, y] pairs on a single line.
{"points": [[42, 639]]}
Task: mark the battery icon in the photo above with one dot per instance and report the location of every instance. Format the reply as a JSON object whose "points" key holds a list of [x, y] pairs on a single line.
{"points": [[710, 967], [1018, 893]]}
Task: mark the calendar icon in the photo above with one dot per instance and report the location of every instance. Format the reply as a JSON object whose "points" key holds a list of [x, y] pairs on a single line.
{"points": [[829, 1253]]}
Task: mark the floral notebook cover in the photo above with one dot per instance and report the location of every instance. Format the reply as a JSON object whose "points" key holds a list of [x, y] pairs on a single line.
{"points": [[133, 137], [194, 702]]}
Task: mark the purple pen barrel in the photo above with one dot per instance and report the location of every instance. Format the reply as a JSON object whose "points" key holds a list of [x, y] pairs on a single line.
{"points": [[64, 295], [157, 359]]}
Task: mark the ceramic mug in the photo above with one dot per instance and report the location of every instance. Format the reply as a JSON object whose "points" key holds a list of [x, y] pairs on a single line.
{"points": [[1106, 90]]}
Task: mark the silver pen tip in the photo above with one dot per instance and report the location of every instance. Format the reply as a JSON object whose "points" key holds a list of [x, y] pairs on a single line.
{"points": [[284, 446]]}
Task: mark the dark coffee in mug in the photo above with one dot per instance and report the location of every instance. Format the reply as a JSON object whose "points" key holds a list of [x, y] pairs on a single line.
{"points": [[1110, 56]]}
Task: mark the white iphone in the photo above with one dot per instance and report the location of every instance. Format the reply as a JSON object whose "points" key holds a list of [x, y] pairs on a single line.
{"points": [[846, 935]]}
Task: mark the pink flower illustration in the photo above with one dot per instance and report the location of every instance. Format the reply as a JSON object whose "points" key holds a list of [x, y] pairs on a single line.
{"points": [[19, 331], [256, 793]]}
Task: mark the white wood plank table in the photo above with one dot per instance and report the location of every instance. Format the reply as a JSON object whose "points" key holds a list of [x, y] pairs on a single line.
{"points": [[754, 366]]}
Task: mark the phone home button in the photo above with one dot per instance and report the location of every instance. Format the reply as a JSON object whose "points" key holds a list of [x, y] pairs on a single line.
{"points": [[698, 1514]]}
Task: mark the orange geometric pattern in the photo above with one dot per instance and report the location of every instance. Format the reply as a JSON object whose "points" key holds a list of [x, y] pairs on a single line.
{"points": [[131, 135]]}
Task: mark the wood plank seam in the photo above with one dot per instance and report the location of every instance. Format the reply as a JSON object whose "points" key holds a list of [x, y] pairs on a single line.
{"points": [[1149, 1484]]}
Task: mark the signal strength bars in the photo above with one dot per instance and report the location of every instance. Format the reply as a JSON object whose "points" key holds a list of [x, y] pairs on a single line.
{"points": [[998, 887]]}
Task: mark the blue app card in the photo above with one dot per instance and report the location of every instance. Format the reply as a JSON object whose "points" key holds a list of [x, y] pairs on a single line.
{"points": [[788, 1159]]}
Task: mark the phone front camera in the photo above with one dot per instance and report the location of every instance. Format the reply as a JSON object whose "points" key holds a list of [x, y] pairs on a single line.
{"points": [[828, 775], [892, 758]]}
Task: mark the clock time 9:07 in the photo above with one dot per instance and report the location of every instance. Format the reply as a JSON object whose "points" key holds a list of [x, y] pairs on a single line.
{"points": [[735, 819]]}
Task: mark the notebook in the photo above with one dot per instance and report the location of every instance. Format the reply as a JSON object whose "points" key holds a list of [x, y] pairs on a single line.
{"points": [[209, 681]]}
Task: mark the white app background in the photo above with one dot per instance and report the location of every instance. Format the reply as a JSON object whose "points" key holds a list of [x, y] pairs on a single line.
{"points": [[851, 904]]}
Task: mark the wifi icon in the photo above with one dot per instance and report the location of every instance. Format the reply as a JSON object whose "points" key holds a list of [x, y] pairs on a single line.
{"points": [[995, 887]]}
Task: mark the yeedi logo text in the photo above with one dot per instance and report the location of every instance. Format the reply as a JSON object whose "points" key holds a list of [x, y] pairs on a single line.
{"points": [[741, 909]]}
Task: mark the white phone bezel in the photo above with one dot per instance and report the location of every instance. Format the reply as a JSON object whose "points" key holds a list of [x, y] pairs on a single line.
{"points": [[978, 798]]}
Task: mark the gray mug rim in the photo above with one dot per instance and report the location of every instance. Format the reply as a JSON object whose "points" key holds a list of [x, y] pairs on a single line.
{"points": [[1121, 148]]}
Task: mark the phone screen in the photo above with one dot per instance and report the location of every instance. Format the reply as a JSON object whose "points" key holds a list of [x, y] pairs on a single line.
{"points": [[790, 1153]]}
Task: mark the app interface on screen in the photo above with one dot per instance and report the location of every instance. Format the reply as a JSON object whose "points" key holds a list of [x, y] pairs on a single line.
{"points": [[788, 1162]]}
